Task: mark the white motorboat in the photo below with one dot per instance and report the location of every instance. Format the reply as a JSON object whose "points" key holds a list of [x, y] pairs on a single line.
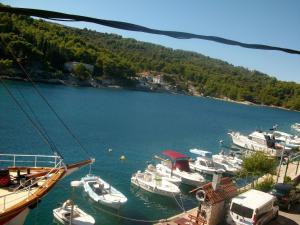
{"points": [[257, 141], [154, 184], [102, 192], [296, 127], [287, 139], [230, 164], [152, 169], [204, 162], [71, 214], [179, 167]]}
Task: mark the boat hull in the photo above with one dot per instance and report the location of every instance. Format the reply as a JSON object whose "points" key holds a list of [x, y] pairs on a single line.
{"points": [[227, 170], [205, 170], [16, 214], [81, 219], [190, 182], [105, 199], [241, 141], [152, 189], [17, 219]]}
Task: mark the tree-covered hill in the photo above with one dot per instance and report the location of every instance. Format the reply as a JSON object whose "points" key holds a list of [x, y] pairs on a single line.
{"points": [[43, 48]]}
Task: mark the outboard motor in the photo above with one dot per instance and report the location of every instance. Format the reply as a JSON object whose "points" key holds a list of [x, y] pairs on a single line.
{"points": [[4, 178], [270, 141]]}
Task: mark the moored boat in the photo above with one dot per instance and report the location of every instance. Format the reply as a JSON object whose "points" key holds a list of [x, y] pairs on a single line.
{"points": [[70, 214], [204, 162], [296, 127], [102, 192], [154, 184], [153, 170], [179, 167], [23, 186], [230, 164], [286, 139]]}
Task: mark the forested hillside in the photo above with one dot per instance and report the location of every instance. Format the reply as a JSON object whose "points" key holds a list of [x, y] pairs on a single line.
{"points": [[44, 47]]}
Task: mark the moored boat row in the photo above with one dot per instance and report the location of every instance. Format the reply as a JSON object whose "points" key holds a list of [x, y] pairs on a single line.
{"points": [[164, 178], [274, 143]]}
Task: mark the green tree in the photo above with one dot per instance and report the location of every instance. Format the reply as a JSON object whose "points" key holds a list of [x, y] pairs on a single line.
{"points": [[43, 46], [258, 164], [81, 71], [5, 66]]}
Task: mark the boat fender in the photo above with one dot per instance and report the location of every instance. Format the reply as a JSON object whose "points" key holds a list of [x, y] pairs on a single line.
{"points": [[76, 183], [200, 195]]}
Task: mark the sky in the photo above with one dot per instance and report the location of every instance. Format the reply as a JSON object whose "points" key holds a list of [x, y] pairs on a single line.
{"points": [[271, 22]]}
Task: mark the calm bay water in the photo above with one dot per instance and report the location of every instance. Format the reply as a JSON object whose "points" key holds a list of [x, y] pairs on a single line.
{"points": [[135, 124]]}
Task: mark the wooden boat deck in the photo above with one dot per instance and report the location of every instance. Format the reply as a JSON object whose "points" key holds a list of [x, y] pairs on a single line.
{"points": [[36, 182], [15, 194], [13, 197]]}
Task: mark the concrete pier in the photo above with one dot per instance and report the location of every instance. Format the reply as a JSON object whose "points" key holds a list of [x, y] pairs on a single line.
{"points": [[184, 218]]}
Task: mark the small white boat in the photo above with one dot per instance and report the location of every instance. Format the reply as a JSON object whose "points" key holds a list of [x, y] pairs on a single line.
{"points": [[287, 139], [230, 164], [102, 192], [204, 162], [154, 184], [296, 127], [180, 168], [201, 152], [68, 211], [152, 169]]}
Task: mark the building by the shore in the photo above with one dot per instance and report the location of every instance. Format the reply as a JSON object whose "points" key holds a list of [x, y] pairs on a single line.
{"points": [[69, 66], [213, 200]]}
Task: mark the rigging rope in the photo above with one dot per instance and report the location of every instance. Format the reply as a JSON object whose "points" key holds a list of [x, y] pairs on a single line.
{"points": [[115, 214], [129, 218], [45, 100], [38, 122], [180, 206], [27, 115], [52, 15]]}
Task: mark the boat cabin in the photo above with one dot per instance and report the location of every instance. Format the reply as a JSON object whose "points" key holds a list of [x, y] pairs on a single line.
{"points": [[179, 161], [205, 162]]}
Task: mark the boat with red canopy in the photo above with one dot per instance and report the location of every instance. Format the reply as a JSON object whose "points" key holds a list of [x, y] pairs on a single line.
{"points": [[177, 165]]}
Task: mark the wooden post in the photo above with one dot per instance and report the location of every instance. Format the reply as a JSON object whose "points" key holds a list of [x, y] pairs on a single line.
{"points": [[297, 168], [287, 165], [281, 158], [71, 215]]}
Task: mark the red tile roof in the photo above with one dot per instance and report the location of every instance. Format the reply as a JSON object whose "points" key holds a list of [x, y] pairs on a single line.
{"points": [[225, 190]]}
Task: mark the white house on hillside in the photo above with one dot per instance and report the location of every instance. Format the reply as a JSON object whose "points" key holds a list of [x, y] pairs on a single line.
{"points": [[70, 66]]}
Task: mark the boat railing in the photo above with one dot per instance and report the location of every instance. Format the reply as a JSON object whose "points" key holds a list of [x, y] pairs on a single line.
{"points": [[15, 160], [27, 188]]}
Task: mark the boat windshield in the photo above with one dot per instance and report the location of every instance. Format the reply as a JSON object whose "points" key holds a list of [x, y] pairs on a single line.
{"points": [[210, 164], [183, 165], [98, 188]]}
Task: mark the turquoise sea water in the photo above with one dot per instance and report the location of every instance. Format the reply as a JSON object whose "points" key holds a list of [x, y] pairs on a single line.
{"points": [[135, 124]]}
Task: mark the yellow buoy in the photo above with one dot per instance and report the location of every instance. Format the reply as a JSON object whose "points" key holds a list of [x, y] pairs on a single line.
{"points": [[122, 157]]}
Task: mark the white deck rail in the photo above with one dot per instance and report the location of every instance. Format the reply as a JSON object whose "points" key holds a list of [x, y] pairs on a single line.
{"points": [[34, 160], [16, 160]]}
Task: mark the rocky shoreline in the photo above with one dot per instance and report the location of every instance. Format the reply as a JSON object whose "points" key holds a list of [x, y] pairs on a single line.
{"points": [[92, 83]]}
